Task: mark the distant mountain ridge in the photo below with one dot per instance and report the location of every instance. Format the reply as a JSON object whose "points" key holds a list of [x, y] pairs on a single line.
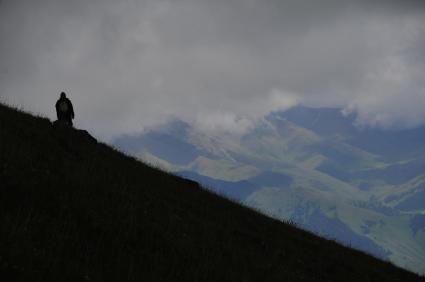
{"points": [[390, 143], [363, 184]]}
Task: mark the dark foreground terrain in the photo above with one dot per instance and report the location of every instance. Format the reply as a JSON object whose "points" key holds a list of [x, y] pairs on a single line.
{"points": [[72, 209]]}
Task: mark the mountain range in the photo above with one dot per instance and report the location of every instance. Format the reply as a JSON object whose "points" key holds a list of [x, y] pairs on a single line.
{"points": [[363, 186]]}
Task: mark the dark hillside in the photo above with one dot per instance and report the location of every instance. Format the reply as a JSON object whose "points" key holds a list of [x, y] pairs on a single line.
{"points": [[72, 209]]}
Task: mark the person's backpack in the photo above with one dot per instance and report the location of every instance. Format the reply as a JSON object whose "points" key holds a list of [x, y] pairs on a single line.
{"points": [[63, 107]]}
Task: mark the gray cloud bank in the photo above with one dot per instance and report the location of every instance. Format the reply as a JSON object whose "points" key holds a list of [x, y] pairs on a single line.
{"points": [[129, 65]]}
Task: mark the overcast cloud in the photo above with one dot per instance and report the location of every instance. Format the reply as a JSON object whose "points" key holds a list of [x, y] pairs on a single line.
{"points": [[129, 65]]}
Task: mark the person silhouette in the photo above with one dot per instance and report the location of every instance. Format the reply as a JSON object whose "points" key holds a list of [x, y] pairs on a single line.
{"points": [[64, 110]]}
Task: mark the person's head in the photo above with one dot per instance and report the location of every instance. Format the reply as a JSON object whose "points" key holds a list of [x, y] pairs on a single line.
{"points": [[63, 95]]}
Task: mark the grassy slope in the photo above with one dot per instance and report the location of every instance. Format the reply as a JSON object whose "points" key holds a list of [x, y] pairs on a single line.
{"points": [[75, 210]]}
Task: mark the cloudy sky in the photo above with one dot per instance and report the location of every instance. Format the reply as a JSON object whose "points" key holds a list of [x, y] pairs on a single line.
{"points": [[221, 65]]}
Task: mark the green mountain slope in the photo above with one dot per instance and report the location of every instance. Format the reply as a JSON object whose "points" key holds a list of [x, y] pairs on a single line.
{"points": [[72, 209], [322, 172]]}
